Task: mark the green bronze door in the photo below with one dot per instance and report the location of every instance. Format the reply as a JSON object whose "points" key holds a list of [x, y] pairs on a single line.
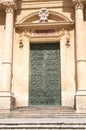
{"points": [[45, 87]]}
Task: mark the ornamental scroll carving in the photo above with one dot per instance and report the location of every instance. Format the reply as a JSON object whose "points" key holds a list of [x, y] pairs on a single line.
{"points": [[68, 38], [21, 40], [79, 4], [57, 33], [10, 7], [46, 33]]}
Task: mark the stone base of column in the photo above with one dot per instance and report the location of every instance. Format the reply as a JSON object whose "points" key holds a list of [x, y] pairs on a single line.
{"points": [[81, 100], [7, 101]]}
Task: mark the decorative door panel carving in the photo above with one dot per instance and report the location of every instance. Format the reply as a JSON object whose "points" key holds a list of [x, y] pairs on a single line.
{"points": [[45, 74]]}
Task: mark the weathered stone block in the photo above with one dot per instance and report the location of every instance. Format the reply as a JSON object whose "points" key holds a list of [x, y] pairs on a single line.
{"points": [[7, 101], [81, 101]]}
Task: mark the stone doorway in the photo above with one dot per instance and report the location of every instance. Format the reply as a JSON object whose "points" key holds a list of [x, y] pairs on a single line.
{"points": [[45, 75]]}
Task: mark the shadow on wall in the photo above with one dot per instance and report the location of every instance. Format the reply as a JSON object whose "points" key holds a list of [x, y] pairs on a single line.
{"points": [[18, 11], [84, 13], [2, 17], [72, 9], [69, 9]]}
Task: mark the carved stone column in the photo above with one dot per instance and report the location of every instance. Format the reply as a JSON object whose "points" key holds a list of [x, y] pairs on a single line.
{"points": [[6, 97], [80, 57]]}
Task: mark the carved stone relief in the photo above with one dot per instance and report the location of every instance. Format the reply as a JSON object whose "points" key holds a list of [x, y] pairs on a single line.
{"points": [[10, 7], [79, 4], [47, 33], [43, 14]]}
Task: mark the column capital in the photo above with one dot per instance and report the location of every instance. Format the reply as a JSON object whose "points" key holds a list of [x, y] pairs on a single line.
{"points": [[79, 4], [10, 7]]}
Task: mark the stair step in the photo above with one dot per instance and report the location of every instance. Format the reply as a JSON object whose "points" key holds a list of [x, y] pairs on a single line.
{"points": [[44, 109], [43, 112], [42, 124], [41, 118]]}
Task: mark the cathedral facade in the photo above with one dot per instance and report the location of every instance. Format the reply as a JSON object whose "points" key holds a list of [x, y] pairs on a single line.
{"points": [[42, 53]]}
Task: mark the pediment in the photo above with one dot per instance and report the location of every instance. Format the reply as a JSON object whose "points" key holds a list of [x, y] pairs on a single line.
{"points": [[54, 19]]}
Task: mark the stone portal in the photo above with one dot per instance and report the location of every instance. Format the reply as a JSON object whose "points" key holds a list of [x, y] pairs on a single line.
{"points": [[45, 87]]}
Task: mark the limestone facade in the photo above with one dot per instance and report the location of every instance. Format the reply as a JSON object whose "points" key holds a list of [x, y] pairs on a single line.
{"points": [[19, 23]]}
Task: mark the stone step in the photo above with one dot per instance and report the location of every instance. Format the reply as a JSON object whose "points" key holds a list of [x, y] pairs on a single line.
{"points": [[43, 124], [40, 116], [43, 118], [43, 115], [43, 112], [43, 109]]}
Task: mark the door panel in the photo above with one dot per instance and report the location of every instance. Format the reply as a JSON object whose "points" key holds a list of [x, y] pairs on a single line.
{"points": [[45, 74]]}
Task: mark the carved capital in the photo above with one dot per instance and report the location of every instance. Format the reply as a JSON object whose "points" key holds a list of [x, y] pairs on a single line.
{"points": [[10, 7], [79, 4]]}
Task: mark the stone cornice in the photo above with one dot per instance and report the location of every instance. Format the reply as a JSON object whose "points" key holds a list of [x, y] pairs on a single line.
{"points": [[10, 6], [79, 4]]}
